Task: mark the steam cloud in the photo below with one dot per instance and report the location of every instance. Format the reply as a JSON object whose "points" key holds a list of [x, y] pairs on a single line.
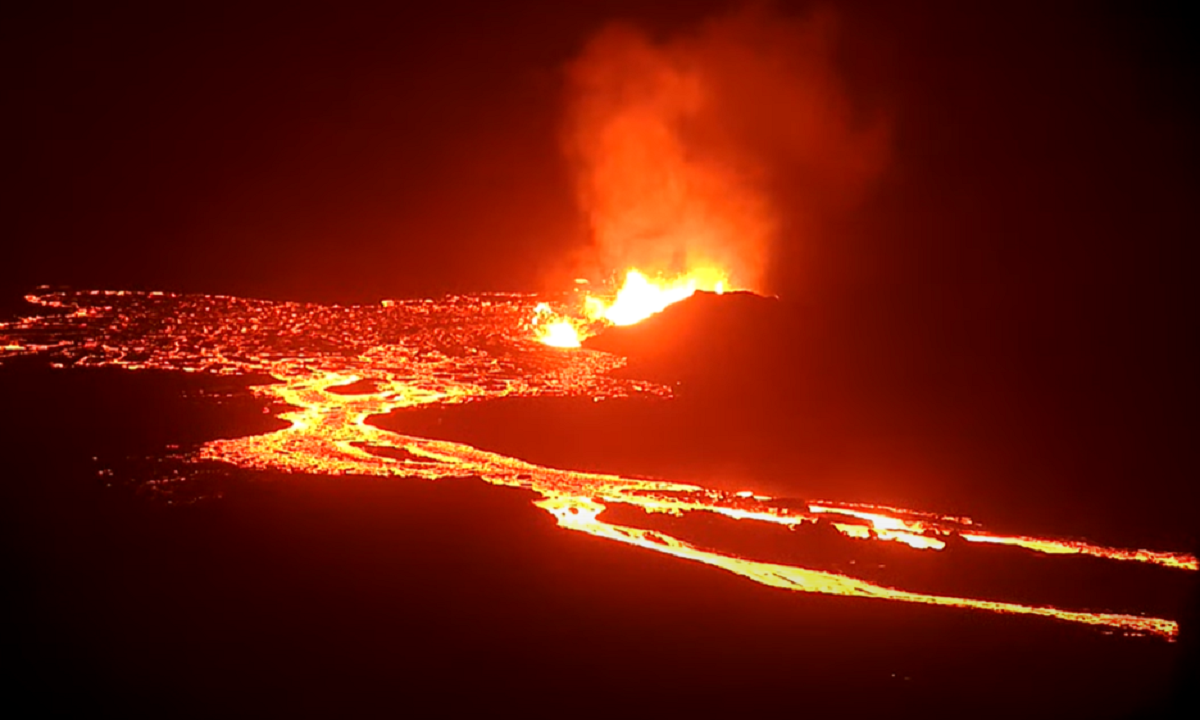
{"points": [[679, 145]]}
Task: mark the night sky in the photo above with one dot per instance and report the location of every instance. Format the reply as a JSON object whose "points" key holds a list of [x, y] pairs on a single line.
{"points": [[355, 151], [1020, 264], [1012, 295]]}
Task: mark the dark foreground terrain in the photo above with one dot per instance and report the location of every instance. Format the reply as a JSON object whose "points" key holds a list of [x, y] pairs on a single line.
{"points": [[772, 397], [343, 596]]}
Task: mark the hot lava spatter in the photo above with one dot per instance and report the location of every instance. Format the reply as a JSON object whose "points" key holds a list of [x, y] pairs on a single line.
{"points": [[464, 349], [638, 298]]}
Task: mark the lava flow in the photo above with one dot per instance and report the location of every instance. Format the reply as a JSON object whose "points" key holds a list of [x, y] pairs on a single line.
{"points": [[637, 299], [461, 349]]}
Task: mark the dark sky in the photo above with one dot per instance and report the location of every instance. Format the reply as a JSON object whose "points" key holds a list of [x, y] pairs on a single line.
{"points": [[1028, 239], [343, 151], [1013, 301], [351, 151]]}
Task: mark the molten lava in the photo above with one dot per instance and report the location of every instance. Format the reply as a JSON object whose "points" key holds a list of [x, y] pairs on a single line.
{"points": [[553, 330], [463, 349], [638, 298]]}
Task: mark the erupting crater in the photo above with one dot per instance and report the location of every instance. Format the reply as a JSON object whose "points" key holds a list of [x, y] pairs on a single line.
{"points": [[336, 367], [638, 298]]}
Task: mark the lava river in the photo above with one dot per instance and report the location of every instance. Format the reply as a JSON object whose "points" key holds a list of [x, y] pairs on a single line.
{"points": [[465, 349]]}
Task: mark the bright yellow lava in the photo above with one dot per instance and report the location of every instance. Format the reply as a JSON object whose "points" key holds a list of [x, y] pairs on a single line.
{"points": [[424, 353], [638, 298], [552, 330]]}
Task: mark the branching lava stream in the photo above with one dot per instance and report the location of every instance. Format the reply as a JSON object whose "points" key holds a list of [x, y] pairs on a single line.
{"points": [[467, 349]]}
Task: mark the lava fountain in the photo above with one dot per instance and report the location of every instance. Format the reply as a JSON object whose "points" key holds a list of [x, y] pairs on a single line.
{"points": [[673, 149], [637, 299], [425, 353]]}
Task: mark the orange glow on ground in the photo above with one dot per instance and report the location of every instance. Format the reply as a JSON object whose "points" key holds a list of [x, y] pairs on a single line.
{"points": [[470, 349]]}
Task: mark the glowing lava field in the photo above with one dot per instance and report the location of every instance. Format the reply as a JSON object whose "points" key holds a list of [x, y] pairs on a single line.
{"points": [[332, 369]]}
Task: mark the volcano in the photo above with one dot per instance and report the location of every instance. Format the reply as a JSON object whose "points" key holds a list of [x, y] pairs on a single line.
{"points": [[707, 340], [650, 359], [457, 388]]}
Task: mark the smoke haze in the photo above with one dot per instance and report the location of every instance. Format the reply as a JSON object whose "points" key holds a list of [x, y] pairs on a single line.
{"points": [[677, 143]]}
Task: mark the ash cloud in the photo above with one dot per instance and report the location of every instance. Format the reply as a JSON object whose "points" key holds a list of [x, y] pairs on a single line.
{"points": [[679, 144]]}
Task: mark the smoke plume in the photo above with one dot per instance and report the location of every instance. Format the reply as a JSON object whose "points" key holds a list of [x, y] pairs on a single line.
{"points": [[679, 145]]}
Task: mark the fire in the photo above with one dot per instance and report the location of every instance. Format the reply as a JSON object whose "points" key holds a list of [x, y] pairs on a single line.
{"points": [[332, 433], [552, 329], [638, 298], [560, 333]]}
